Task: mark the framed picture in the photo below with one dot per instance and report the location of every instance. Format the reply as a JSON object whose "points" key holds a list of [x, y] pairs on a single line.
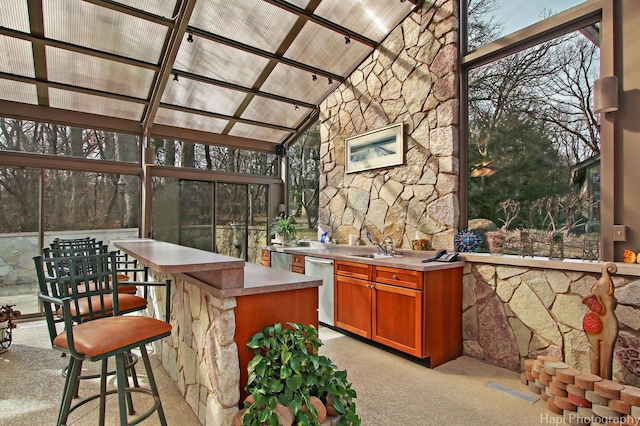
{"points": [[379, 148]]}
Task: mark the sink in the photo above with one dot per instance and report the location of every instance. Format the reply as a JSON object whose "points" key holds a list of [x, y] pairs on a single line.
{"points": [[376, 256]]}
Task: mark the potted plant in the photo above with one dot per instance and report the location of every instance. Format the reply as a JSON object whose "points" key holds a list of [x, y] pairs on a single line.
{"points": [[285, 228], [287, 371], [496, 239]]}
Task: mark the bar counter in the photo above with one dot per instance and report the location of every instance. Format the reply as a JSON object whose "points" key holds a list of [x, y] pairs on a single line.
{"points": [[217, 304]]}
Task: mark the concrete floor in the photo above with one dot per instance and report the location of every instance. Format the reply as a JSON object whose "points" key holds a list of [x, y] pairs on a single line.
{"points": [[391, 390]]}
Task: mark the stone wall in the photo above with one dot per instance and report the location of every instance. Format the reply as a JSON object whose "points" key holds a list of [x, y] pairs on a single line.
{"points": [[201, 355], [511, 314], [412, 79], [17, 270]]}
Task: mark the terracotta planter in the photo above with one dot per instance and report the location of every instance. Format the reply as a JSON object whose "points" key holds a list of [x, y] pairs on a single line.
{"points": [[496, 242]]}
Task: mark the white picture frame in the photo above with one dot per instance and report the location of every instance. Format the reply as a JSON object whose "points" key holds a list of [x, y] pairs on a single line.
{"points": [[378, 148]]}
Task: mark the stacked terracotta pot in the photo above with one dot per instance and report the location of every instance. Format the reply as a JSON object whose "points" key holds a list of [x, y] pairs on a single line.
{"points": [[581, 398]]}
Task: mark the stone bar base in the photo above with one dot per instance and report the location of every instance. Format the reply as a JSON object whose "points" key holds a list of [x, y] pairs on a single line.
{"points": [[581, 398], [201, 355]]}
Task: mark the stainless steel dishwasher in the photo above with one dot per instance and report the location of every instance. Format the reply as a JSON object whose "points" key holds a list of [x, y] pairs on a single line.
{"points": [[281, 261], [322, 268]]}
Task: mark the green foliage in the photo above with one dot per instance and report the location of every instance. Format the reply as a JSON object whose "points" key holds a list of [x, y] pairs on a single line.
{"points": [[286, 227], [287, 369]]}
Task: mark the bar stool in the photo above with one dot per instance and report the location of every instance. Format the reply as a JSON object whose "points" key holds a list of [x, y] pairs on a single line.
{"points": [[97, 333]]}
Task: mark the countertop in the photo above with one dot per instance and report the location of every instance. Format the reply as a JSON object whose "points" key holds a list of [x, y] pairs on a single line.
{"points": [[404, 259], [225, 276], [168, 257]]}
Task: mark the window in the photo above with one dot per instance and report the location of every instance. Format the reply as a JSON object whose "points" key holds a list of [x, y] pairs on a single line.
{"points": [[225, 218], [534, 144], [488, 20], [211, 157], [304, 173], [65, 141]]}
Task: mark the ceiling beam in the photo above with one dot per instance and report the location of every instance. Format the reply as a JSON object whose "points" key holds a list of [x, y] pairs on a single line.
{"points": [[263, 53], [208, 138], [119, 7], [78, 49], [305, 14], [227, 117], [174, 39], [36, 26], [20, 111], [238, 88]]}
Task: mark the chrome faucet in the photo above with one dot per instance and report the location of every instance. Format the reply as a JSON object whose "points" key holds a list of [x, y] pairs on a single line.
{"points": [[381, 248], [387, 240]]}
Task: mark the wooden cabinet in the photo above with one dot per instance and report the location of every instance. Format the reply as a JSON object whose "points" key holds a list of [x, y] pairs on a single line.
{"points": [[297, 263], [419, 313], [265, 257]]}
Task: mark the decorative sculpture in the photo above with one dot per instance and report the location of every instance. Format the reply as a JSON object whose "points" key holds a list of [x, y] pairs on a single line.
{"points": [[600, 323]]}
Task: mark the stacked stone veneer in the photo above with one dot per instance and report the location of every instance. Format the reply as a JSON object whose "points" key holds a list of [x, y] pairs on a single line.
{"points": [[581, 398], [412, 79], [200, 355], [511, 314]]}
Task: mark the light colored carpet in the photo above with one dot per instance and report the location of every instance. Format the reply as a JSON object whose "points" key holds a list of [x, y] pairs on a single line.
{"points": [[391, 390]]}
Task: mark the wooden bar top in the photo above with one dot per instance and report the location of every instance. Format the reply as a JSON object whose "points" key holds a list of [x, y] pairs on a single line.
{"points": [[171, 258]]}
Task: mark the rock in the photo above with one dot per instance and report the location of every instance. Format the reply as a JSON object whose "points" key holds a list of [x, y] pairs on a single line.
{"points": [[285, 415]]}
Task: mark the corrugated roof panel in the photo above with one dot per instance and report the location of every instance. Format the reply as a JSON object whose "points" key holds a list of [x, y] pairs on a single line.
{"points": [[109, 31], [326, 49], [164, 8], [252, 22], [373, 19], [17, 57], [274, 112], [17, 91], [15, 15], [77, 69], [92, 104], [260, 133], [297, 84], [187, 120], [202, 96], [220, 62]]}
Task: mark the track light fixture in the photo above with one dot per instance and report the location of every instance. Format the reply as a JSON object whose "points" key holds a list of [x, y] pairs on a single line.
{"points": [[330, 80], [347, 39], [175, 76], [314, 77], [190, 37]]}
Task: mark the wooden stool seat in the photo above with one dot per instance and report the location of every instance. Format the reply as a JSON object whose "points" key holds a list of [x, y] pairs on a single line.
{"points": [[103, 336]]}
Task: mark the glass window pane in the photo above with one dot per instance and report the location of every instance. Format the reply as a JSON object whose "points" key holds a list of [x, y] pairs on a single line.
{"points": [[19, 195], [304, 188], [91, 203], [225, 218], [211, 157], [488, 20], [533, 148], [55, 139]]}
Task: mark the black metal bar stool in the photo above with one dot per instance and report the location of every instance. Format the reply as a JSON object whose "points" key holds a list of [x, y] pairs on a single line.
{"points": [[94, 330]]}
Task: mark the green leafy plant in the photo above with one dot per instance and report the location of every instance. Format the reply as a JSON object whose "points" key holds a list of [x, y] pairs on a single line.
{"points": [[288, 370], [285, 227]]}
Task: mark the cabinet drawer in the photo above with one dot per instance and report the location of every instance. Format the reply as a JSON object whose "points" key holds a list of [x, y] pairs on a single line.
{"points": [[353, 270], [297, 261], [297, 269], [399, 277]]}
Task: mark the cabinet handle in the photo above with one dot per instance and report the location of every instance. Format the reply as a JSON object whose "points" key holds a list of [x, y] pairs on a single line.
{"points": [[395, 277]]}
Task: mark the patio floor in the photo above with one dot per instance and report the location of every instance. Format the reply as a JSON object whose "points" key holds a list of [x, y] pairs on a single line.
{"points": [[391, 390]]}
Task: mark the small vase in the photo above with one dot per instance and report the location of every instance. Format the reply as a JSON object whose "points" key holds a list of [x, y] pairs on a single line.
{"points": [[496, 242]]}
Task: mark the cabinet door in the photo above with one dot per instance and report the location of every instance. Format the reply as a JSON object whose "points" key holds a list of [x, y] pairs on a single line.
{"points": [[265, 257], [353, 305], [397, 318]]}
